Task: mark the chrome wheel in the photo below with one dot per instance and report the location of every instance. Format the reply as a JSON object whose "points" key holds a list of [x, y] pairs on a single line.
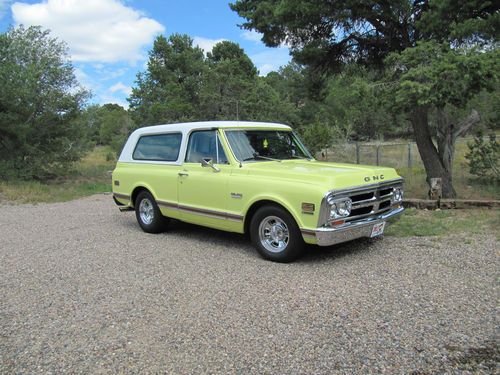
{"points": [[273, 234], [146, 211]]}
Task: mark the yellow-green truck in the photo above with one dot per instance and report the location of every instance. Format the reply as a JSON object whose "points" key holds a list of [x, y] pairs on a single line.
{"points": [[254, 178]]}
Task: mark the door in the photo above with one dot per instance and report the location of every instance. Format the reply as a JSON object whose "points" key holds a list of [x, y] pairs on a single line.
{"points": [[203, 189]]}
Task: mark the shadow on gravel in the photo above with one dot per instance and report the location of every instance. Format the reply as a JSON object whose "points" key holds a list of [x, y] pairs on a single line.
{"points": [[241, 243], [234, 241], [483, 359], [358, 247]]}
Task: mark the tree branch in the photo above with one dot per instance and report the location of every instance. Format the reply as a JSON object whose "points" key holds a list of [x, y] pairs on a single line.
{"points": [[464, 125]]}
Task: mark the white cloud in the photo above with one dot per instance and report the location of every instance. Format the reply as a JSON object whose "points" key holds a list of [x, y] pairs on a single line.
{"points": [[270, 59], [85, 80], [81, 76], [95, 30], [110, 71], [104, 98], [127, 90], [205, 43], [251, 35], [266, 68]]}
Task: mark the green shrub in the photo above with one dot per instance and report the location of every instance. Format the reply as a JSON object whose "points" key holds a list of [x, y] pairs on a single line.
{"points": [[483, 157], [317, 136]]}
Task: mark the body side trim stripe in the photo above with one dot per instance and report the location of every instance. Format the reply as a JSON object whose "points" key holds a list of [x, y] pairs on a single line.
{"points": [[201, 211], [168, 204]]}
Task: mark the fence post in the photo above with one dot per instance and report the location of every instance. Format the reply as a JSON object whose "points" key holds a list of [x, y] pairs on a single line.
{"points": [[378, 154], [357, 152], [409, 156]]}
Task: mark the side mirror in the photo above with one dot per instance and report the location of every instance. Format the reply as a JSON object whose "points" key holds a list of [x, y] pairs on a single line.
{"points": [[208, 163]]}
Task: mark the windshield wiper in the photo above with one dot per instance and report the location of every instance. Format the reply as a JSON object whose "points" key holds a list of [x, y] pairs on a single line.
{"points": [[257, 156], [299, 157], [266, 158]]}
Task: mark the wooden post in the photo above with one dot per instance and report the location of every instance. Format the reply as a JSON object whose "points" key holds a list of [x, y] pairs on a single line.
{"points": [[378, 154], [436, 190], [357, 152], [409, 156]]}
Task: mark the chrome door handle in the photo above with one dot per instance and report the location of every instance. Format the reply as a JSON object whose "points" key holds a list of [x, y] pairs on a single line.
{"points": [[183, 173]]}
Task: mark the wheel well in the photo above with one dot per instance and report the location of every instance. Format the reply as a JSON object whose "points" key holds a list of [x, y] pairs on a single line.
{"points": [[135, 193], [255, 206]]}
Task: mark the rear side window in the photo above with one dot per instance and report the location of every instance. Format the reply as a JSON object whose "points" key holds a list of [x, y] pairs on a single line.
{"points": [[159, 147]]}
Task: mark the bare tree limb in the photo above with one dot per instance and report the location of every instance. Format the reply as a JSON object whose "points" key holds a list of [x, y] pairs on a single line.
{"points": [[464, 125]]}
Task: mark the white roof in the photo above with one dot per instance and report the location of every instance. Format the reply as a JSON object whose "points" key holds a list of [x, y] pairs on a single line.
{"points": [[186, 127]]}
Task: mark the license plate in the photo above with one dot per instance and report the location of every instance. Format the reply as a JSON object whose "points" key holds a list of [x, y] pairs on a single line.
{"points": [[378, 229]]}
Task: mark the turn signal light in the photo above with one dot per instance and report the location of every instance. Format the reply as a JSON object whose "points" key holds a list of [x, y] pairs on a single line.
{"points": [[337, 223]]}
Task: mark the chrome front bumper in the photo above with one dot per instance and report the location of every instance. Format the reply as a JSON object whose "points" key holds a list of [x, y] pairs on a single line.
{"points": [[350, 231]]}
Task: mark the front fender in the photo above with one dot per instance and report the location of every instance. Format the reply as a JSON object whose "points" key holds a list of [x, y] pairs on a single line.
{"points": [[294, 208]]}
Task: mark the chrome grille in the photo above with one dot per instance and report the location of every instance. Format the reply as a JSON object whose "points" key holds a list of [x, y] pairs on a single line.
{"points": [[367, 201]]}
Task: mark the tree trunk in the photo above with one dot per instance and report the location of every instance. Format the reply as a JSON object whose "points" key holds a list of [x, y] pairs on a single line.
{"points": [[434, 167], [449, 132], [438, 162]]}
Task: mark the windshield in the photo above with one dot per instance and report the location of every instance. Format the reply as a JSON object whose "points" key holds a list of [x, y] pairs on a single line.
{"points": [[253, 145]]}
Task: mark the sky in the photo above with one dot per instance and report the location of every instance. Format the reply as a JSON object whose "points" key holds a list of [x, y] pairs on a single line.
{"points": [[109, 40]]}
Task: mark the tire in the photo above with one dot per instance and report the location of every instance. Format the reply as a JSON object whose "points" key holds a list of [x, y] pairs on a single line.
{"points": [[148, 214], [275, 234]]}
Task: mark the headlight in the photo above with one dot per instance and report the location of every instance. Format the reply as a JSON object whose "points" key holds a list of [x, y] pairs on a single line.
{"points": [[340, 207], [397, 195]]}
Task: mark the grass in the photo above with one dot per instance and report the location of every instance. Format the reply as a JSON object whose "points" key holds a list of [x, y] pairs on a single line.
{"points": [[423, 223], [89, 176], [92, 175], [395, 155]]}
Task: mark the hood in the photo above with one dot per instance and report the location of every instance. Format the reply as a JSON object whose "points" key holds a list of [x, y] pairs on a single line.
{"points": [[332, 175]]}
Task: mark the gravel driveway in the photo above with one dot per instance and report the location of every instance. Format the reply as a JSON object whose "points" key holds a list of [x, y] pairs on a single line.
{"points": [[84, 290]]}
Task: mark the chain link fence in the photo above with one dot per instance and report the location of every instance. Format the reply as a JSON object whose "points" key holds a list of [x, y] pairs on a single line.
{"points": [[404, 157]]}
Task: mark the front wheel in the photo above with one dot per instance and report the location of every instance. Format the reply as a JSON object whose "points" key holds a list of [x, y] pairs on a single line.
{"points": [[148, 214], [275, 234]]}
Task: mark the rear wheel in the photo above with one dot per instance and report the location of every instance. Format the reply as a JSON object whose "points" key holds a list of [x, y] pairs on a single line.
{"points": [[148, 214], [276, 235]]}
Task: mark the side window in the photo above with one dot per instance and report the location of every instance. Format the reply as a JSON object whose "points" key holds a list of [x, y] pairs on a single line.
{"points": [[205, 144], [159, 147]]}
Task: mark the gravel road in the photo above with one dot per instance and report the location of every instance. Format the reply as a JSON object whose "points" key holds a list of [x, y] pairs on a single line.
{"points": [[84, 290]]}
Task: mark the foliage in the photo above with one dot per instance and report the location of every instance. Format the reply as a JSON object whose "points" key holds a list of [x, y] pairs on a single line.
{"points": [[437, 75], [317, 136], [109, 124], [356, 102], [180, 84], [229, 78], [484, 157], [169, 90], [115, 126], [438, 54], [460, 21], [88, 176], [327, 34], [40, 100]]}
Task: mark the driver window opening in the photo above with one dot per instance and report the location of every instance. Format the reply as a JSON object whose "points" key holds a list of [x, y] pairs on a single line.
{"points": [[205, 144]]}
